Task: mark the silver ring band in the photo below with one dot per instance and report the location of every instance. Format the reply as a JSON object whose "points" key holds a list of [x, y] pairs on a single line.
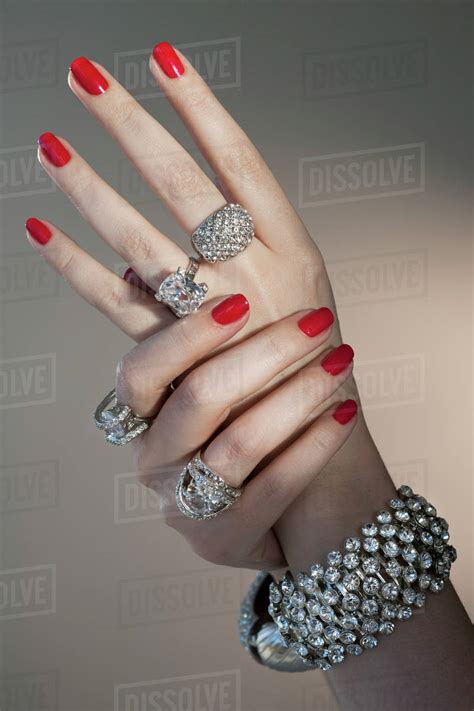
{"points": [[119, 423], [224, 234], [201, 493]]}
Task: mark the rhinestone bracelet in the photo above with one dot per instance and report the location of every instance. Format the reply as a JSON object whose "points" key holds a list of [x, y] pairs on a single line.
{"points": [[376, 580]]}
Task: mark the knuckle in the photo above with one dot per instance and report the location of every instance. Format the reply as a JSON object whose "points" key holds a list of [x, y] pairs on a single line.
{"points": [[111, 300], [241, 445], [129, 378], [186, 181], [66, 265], [275, 346], [196, 390], [243, 161], [125, 114], [135, 243]]}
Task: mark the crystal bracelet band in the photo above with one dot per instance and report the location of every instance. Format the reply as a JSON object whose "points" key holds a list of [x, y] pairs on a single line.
{"points": [[376, 580]]}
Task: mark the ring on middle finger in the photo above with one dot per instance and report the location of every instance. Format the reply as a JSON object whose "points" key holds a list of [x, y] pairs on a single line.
{"points": [[180, 292]]}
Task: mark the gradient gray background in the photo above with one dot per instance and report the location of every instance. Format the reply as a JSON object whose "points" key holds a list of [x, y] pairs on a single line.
{"points": [[423, 427]]}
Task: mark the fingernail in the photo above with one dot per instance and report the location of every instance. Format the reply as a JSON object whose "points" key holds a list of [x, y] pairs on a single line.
{"points": [[338, 359], [38, 230], [316, 321], [55, 151], [345, 412], [128, 273], [88, 76], [231, 309], [168, 60]]}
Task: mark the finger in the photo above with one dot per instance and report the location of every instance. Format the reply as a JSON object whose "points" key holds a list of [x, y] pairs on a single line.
{"points": [[133, 278], [136, 313], [146, 249], [288, 475], [237, 163], [171, 172], [251, 437], [203, 400], [144, 374]]}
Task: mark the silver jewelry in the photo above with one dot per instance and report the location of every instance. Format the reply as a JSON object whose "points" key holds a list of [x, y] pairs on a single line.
{"points": [[203, 494], [180, 292], [224, 234], [376, 580], [119, 422]]}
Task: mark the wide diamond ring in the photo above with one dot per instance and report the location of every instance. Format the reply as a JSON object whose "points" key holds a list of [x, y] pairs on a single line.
{"points": [[203, 494], [224, 234], [119, 423], [180, 292]]}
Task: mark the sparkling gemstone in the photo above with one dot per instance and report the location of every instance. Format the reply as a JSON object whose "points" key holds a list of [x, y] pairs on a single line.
{"points": [[181, 292], [410, 574], [435, 528], [402, 515], [393, 568], [314, 625], [369, 607], [352, 545], [414, 504], [370, 626], [445, 536], [350, 602], [404, 612], [371, 545], [436, 585], [368, 641], [301, 630], [334, 558], [316, 640], [409, 553], [301, 649], [282, 623], [424, 581], [332, 633], [384, 516], [330, 597], [298, 599], [326, 614], [396, 503], [348, 637], [370, 566], [371, 586], [389, 612], [351, 581], [297, 615], [287, 586], [406, 535], [386, 627], [323, 664], [336, 653], [369, 529], [317, 571], [390, 591], [420, 599], [391, 548], [224, 233], [275, 594], [430, 509], [348, 622], [332, 575], [355, 649], [351, 560], [388, 530], [405, 490], [426, 560], [422, 520], [409, 596], [313, 607]]}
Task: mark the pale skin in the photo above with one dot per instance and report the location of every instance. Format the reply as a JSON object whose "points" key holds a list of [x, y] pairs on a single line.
{"points": [[271, 416]]}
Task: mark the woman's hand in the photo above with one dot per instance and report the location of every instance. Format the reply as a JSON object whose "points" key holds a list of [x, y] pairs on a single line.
{"points": [[263, 439]]}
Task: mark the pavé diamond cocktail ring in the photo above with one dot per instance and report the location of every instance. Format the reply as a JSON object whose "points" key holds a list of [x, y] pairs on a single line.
{"points": [[203, 494], [119, 423], [180, 292], [224, 234]]}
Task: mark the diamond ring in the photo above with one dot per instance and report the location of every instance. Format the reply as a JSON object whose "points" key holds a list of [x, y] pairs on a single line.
{"points": [[203, 494], [180, 292], [224, 234], [119, 423]]}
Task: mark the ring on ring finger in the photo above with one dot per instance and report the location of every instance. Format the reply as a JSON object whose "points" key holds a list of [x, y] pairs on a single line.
{"points": [[201, 493]]}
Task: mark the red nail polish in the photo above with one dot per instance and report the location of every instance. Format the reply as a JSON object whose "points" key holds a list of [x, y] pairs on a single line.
{"points": [[231, 309], [88, 76], [168, 60], [338, 359], [345, 412], [38, 230], [316, 321], [128, 273], [56, 152]]}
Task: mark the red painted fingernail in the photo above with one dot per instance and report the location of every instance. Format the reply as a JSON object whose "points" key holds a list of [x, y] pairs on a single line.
{"points": [[316, 321], [128, 273], [168, 60], [231, 309], [338, 359], [38, 230], [88, 76], [55, 151], [345, 412]]}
